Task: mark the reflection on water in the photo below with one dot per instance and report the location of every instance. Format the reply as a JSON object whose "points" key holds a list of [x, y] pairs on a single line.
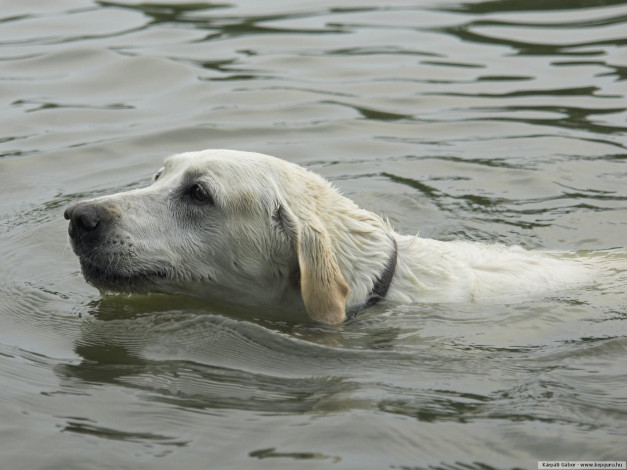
{"points": [[495, 121]]}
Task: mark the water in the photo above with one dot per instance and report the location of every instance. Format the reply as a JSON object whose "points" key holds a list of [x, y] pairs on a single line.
{"points": [[491, 121]]}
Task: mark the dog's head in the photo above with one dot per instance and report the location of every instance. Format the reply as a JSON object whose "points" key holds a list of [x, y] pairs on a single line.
{"points": [[242, 228]]}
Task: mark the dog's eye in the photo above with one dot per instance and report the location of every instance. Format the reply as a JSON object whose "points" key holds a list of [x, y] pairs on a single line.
{"points": [[158, 174], [200, 194]]}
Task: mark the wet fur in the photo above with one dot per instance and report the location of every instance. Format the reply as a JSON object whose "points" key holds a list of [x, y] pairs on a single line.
{"points": [[277, 236]]}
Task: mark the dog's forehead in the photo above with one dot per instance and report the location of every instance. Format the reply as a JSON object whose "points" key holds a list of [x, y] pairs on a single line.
{"points": [[223, 163], [236, 178]]}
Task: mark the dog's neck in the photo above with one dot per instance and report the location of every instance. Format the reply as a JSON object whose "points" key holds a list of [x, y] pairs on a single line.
{"points": [[381, 285], [366, 252]]}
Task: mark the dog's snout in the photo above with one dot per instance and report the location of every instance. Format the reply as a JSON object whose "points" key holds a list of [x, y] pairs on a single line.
{"points": [[86, 219]]}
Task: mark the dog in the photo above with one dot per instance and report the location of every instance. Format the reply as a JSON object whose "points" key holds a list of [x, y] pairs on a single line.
{"points": [[253, 231]]}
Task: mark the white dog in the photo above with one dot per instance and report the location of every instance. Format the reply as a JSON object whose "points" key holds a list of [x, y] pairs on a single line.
{"points": [[251, 230]]}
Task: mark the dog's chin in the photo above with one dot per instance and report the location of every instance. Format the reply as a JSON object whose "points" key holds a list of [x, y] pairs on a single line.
{"points": [[120, 280]]}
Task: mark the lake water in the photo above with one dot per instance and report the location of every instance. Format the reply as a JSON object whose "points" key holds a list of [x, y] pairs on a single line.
{"points": [[498, 121]]}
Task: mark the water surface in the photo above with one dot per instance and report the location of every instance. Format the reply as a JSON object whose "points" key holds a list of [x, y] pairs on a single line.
{"points": [[495, 121]]}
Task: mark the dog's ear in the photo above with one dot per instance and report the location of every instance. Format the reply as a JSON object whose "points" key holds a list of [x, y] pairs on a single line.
{"points": [[323, 288]]}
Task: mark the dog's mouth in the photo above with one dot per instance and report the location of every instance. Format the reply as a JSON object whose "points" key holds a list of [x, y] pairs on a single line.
{"points": [[126, 279]]}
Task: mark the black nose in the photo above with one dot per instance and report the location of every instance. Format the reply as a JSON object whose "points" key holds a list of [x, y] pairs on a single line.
{"points": [[86, 219]]}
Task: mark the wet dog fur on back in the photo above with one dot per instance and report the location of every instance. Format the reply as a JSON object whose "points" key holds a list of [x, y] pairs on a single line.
{"points": [[253, 231]]}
